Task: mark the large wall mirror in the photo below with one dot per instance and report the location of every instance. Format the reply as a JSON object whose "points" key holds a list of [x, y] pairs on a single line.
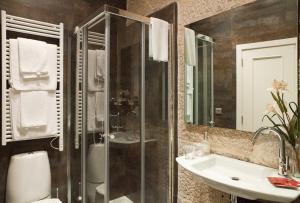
{"points": [[232, 58]]}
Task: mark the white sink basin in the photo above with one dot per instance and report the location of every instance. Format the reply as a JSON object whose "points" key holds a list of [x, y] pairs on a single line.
{"points": [[237, 177]]}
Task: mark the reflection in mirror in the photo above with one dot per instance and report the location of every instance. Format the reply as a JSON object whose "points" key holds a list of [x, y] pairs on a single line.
{"points": [[253, 45], [198, 78]]}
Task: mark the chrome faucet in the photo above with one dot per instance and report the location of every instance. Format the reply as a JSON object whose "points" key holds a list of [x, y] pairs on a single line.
{"points": [[283, 159]]}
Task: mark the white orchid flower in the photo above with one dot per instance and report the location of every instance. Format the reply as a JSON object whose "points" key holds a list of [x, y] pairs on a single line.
{"points": [[271, 108], [278, 86]]}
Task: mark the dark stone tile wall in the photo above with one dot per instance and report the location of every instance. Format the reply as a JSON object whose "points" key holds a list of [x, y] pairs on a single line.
{"points": [[71, 13], [259, 21]]}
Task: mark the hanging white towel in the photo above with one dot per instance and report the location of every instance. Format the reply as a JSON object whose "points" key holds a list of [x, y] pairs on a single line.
{"points": [[189, 93], [20, 83], [100, 64], [32, 58], [20, 133], [95, 111], [91, 120], [33, 106], [94, 84], [158, 39], [99, 101], [190, 47]]}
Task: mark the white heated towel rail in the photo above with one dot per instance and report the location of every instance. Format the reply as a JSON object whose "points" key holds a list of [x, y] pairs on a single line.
{"points": [[78, 104], [94, 38], [10, 23]]}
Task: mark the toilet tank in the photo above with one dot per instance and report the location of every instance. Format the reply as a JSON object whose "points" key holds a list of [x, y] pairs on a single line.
{"points": [[96, 163], [28, 178]]}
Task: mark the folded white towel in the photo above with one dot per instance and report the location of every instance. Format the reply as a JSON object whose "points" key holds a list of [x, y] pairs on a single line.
{"points": [[94, 84], [32, 58], [158, 39], [18, 132], [20, 83], [190, 47], [100, 63], [54, 200], [33, 106], [99, 102]]}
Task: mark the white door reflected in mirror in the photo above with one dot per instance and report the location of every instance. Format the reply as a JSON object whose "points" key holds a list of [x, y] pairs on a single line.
{"points": [[258, 64]]}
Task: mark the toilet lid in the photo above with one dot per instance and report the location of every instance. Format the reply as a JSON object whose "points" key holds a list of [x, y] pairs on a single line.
{"points": [[48, 201]]}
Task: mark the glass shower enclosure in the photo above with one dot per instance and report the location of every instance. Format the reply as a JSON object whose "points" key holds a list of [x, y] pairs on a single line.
{"points": [[124, 116]]}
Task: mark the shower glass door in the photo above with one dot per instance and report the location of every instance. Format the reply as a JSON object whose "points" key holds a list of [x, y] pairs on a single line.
{"points": [[113, 150], [125, 142]]}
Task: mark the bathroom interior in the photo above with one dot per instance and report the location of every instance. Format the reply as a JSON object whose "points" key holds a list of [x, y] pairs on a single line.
{"points": [[140, 101]]}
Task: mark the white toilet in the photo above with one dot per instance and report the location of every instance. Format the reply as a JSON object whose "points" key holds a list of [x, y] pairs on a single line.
{"points": [[96, 174], [29, 179], [95, 170]]}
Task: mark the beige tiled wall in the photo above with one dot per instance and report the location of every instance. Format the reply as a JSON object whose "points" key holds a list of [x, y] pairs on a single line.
{"points": [[223, 141]]}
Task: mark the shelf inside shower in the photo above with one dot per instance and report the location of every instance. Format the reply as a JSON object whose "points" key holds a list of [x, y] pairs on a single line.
{"points": [[128, 138]]}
